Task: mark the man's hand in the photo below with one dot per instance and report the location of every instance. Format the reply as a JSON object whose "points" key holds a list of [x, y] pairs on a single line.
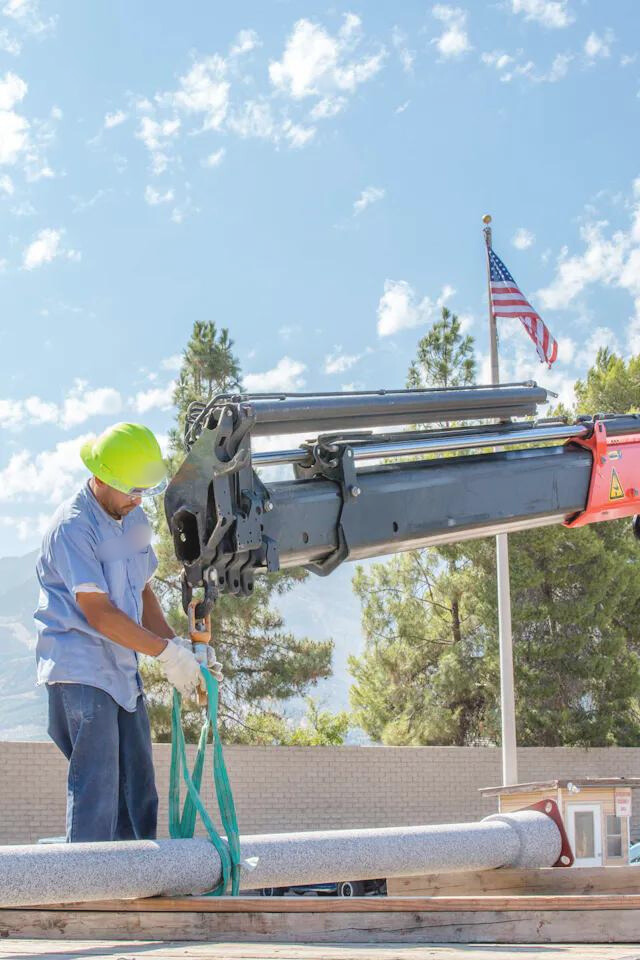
{"points": [[212, 664], [181, 667]]}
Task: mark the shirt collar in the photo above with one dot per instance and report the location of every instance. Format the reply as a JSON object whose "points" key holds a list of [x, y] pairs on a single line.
{"points": [[100, 513]]}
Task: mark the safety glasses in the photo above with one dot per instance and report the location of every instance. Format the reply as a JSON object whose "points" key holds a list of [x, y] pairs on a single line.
{"points": [[159, 488]]}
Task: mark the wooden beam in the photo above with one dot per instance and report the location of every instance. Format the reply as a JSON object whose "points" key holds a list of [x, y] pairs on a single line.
{"points": [[352, 905], [548, 880], [409, 926]]}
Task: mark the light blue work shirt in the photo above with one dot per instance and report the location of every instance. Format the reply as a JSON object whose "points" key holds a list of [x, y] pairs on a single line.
{"points": [[85, 545]]}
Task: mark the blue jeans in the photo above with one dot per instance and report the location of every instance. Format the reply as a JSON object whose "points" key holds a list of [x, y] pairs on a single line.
{"points": [[111, 792]]}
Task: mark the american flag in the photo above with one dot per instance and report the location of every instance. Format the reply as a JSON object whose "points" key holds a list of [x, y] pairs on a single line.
{"points": [[507, 300]]}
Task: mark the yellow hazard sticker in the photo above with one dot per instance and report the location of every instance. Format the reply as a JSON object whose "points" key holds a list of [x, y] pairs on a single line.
{"points": [[615, 490]]}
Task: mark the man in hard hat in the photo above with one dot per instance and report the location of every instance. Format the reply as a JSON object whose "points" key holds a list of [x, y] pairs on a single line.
{"points": [[97, 611]]}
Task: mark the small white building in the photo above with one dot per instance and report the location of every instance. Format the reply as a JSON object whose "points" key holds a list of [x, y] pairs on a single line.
{"points": [[596, 813]]}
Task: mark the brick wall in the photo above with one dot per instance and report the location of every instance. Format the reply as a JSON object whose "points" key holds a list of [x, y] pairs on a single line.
{"points": [[305, 788]]}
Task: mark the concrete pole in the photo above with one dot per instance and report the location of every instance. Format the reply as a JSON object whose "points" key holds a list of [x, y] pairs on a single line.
{"points": [[68, 873], [507, 686]]}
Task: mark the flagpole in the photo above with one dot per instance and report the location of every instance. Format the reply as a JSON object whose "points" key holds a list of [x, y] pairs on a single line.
{"points": [[507, 691]]}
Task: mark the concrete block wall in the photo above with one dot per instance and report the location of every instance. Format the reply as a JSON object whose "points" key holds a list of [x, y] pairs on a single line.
{"points": [[309, 788]]}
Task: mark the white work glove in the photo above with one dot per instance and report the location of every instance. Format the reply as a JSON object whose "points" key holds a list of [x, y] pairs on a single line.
{"points": [[212, 664], [181, 667]]}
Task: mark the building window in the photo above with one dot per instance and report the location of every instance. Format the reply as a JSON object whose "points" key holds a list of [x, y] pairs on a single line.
{"points": [[585, 840], [614, 836]]}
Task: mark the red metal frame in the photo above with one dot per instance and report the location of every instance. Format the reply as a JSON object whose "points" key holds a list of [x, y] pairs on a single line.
{"points": [[550, 808], [614, 490]]}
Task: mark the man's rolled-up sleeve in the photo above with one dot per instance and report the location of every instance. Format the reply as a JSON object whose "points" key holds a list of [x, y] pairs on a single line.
{"points": [[75, 560]]}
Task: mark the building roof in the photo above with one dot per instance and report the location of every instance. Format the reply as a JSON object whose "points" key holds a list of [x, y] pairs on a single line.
{"points": [[560, 784]]}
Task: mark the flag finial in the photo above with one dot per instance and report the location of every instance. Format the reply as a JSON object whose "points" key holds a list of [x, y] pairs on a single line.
{"points": [[487, 218]]}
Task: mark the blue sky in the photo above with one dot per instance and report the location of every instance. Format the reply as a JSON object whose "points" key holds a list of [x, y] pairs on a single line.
{"points": [[312, 177]]}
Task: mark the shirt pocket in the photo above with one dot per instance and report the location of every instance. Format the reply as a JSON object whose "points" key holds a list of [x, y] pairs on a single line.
{"points": [[139, 568], [114, 574]]}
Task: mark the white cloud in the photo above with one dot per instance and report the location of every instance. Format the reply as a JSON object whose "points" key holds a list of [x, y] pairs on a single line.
{"points": [[287, 331], [328, 107], [100, 194], [26, 13], [157, 398], [285, 377], [315, 63], [296, 134], [510, 67], [43, 249], [597, 46], [403, 106], [46, 246], [245, 42], [610, 258], [12, 90], [255, 119], [40, 411], [399, 308], [6, 185], [339, 362], [406, 56], [157, 137], [497, 58], [9, 44], [600, 337], [82, 403], [368, 196], [549, 13], [46, 477], [79, 405], [27, 528], [523, 238], [114, 119], [627, 59], [11, 414], [14, 128], [21, 140], [601, 262], [454, 39], [214, 159], [559, 68], [174, 362], [203, 91], [154, 197]]}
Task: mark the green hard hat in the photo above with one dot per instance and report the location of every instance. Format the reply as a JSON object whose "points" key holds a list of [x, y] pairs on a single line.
{"points": [[127, 456]]}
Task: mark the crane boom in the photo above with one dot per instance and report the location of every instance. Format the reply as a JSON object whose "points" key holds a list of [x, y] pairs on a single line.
{"points": [[348, 501]]}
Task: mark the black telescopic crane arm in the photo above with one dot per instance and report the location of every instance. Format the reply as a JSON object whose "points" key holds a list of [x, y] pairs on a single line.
{"points": [[227, 524]]}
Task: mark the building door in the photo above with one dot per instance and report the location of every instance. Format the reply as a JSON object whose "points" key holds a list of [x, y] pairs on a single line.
{"points": [[585, 833]]}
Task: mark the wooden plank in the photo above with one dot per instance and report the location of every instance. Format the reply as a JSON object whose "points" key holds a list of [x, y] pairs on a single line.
{"points": [[353, 905], [580, 926], [548, 880], [551, 785], [112, 949], [586, 782]]}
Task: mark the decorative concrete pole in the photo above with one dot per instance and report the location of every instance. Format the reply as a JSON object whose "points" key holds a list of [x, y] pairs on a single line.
{"points": [[67, 873]]}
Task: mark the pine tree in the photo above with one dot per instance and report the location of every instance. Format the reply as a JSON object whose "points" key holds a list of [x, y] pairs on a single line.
{"points": [[263, 663], [612, 385], [429, 673], [444, 357], [420, 679]]}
